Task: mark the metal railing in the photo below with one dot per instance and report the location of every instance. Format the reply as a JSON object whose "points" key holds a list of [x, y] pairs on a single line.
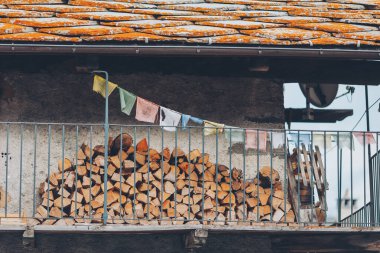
{"points": [[297, 176], [360, 218]]}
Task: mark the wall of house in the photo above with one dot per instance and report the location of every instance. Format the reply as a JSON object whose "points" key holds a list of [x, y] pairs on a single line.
{"points": [[51, 89]]}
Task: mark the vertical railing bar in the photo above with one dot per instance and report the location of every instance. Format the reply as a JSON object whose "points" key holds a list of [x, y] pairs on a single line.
{"points": [[258, 173], [6, 171], [324, 178], [63, 166], [189, 187], [310, 146], [34, 169], [175, 173], [230, 174], [90, 196], [20, 186], [162, 171], [148, 198], [271, 177], [285, 168], [298, 176], [48, 192], [244, 164], [351, 197], [203, 174], [339, 177], [377, 168], [216, 172], [76, 170], [120, 171], [134, 175], [364, 169]]}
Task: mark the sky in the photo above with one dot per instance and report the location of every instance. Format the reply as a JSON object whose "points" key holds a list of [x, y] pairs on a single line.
{"points": [[359, 179]]}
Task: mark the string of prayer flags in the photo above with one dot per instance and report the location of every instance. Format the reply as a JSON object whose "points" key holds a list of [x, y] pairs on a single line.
{"points": [[277, 139], [236, 135], [345, 140], [302, 138], [169, 119], [212, 127], [127, 101], [99, 86], [146, 111], [364, 138], [185, 120], [251, 140], [320, 139], [196, 120]]}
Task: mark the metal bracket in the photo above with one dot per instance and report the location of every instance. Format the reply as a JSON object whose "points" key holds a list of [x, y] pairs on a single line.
{"points": [[195, 239], [28, 238]]}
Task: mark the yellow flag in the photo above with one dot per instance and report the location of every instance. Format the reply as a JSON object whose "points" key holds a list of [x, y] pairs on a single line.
{"points": [[212, 127], [100, 86]]}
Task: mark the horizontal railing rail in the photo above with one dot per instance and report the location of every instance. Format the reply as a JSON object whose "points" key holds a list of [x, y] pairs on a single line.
{"points": [[56, 173]]}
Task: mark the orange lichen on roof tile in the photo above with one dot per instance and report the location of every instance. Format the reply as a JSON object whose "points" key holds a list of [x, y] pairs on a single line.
{"points": [[364, 2], [51, 22], [37, 37], [328, 5], [148, 24], [329, 14], [10, 2], [285, 8], [9, 13], [160, 12], [225, 39], [289, 19], [10, 28], [251, 13], [110, 4], [199, 18], [205, 7], [248, 2], [286, 33], [336, 27], [86, 30], [55, 8], [162, 1], [339, 41], [360, 21], [191, 31], [239, 24], [373, 35], [105, 16], [135, 36]]}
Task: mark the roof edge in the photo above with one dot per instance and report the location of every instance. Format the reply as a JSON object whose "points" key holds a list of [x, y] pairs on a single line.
{"points": [[175, 50]]}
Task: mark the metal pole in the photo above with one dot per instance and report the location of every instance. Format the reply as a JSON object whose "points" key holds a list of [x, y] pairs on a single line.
{"points": [[106, 127], [372, 217]]}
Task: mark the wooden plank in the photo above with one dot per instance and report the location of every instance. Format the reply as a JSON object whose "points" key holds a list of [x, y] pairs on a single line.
{"points": [[315, 169], [292, 188], [302, 169]]}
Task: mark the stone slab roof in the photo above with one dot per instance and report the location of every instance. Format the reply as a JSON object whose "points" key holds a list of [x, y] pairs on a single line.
{"points": [[305, 23]]}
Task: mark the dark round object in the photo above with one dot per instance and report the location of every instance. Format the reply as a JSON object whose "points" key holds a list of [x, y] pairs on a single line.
{"points": [[320, 94]]}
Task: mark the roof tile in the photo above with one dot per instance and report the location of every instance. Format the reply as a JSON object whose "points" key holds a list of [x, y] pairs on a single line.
{"points": [[37, 37], [10, 28], [135, 36], [289, 19], [336, 27], [51, 22], [105, 16], [86, 30], [147, 24], [55, 8], [10, 2], [191, 31], [373, 35], [286, 33], [23, 14], [239, 24], [110, 4]]}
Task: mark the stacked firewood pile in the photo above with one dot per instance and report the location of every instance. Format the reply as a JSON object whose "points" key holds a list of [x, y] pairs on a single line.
{"points": [[146, 186]]}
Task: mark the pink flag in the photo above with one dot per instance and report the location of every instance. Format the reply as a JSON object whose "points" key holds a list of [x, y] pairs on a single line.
{"points": [[369, 139], [251, 140], [146, 111]]}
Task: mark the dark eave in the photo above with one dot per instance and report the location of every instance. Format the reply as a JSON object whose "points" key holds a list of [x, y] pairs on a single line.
{"points": [[181, 50]]}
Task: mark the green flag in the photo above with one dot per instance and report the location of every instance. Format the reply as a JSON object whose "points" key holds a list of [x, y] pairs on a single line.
{"points": [[127, 101]]}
